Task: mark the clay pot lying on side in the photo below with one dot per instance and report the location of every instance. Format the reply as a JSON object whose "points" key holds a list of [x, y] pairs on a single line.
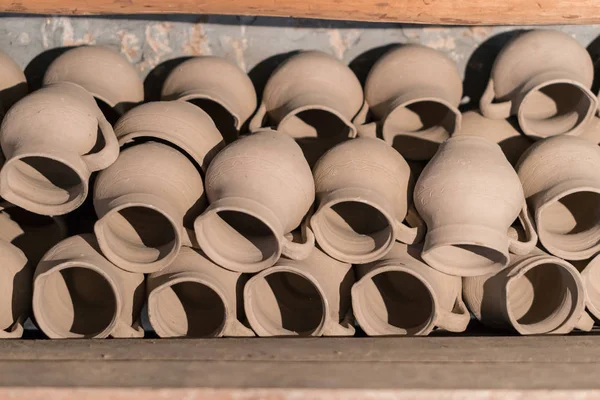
{"points": [[590, 275], [536, 294], [145, 203], [310, 297], [193, 297], [217, 86], [77, 293], [562, 186], [592, 131], [48, 173], [15, 290], [413, 92], [544, 78], [469, 195], [13, 83], [259, 189], [401, 295], [362, 199]]}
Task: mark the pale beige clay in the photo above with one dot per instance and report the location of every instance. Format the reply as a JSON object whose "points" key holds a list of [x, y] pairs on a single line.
{"points": [[590, 274], [309, 297], [15, 290], [13, 83], [146, 202], [544, 78], [592, 131], [193, 297], [413, 92], [401, 295], [48, 173], [77, 293], [259, 188]]}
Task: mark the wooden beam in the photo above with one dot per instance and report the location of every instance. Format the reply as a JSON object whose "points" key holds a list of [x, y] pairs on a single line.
{"points": [[445, 12]]}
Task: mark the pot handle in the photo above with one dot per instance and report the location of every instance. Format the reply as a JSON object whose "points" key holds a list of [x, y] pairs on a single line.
{"points": [[407, 234], [523, 248], [454, 321], [299, 251], [585, 322], [492, 110], [109, 153], [257, 119]]}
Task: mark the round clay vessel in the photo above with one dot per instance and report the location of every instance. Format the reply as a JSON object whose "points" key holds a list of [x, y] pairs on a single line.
{"points": [[469, 195], [145, 203], [562, 186], [413, 92], [217, 86], [401, 295], [103, 72], [259, 188], [13, 83], [590, 275], [592, 131], [15, 290], [48, 174], [309, 297], [77, 293], [193, 297], [362, 199], [179, 123], [544, 78]]}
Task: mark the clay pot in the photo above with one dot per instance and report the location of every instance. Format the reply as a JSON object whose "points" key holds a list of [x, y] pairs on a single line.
{"points": [[562, 186], [259, 188], [362, 199], [217, 86], [500, 131], [13, 83], [413, 92], [15, 290], [193, 297], [401, 295], [181, 124], [590, 275], [103, 72], [592, 131], [144, 202], [544, 78], [469, 195], [77, 293], [308, 297], [536, 294], [48, 174]]}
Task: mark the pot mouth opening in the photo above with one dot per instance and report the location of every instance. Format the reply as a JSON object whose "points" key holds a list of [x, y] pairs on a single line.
{"points": [[284, 303], [225, 121], [466, 259], [187, 309]]}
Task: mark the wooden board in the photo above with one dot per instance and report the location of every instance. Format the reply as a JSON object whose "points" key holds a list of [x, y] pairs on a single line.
{"points": [[452, 12]]}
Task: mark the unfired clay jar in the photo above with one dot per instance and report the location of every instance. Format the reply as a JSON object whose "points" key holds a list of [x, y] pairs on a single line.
{"points": [[562, 186], [15, 290], [103, 72], [259, 188], [544, 78], [144, 202], [13, 83], [362, 199], [217, 86], [500, 131], [309, 297], [53, 139], [413, 92], [401, 295], [592, 131], [176, 122], [536, 294], [590, 275], [469, 195], [77, 293], [193, 297]]}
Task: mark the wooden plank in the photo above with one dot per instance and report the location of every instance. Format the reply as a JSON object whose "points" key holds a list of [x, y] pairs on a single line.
{"points": [[450, 12]]}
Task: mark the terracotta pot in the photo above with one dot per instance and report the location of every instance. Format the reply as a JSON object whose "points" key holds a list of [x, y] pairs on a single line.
{"points": [[590, 275], [562, 186], [536, 294], [501, 131], [401, 295], [259, 188], [193, 297], [469, 195], [181, 124], [544, 78], [48, 174], [13, 83], [217, 86], [145, 202], [413, 92], [15, 294], [362, 199], [308, 297], [77, 293], [103, 72]]}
